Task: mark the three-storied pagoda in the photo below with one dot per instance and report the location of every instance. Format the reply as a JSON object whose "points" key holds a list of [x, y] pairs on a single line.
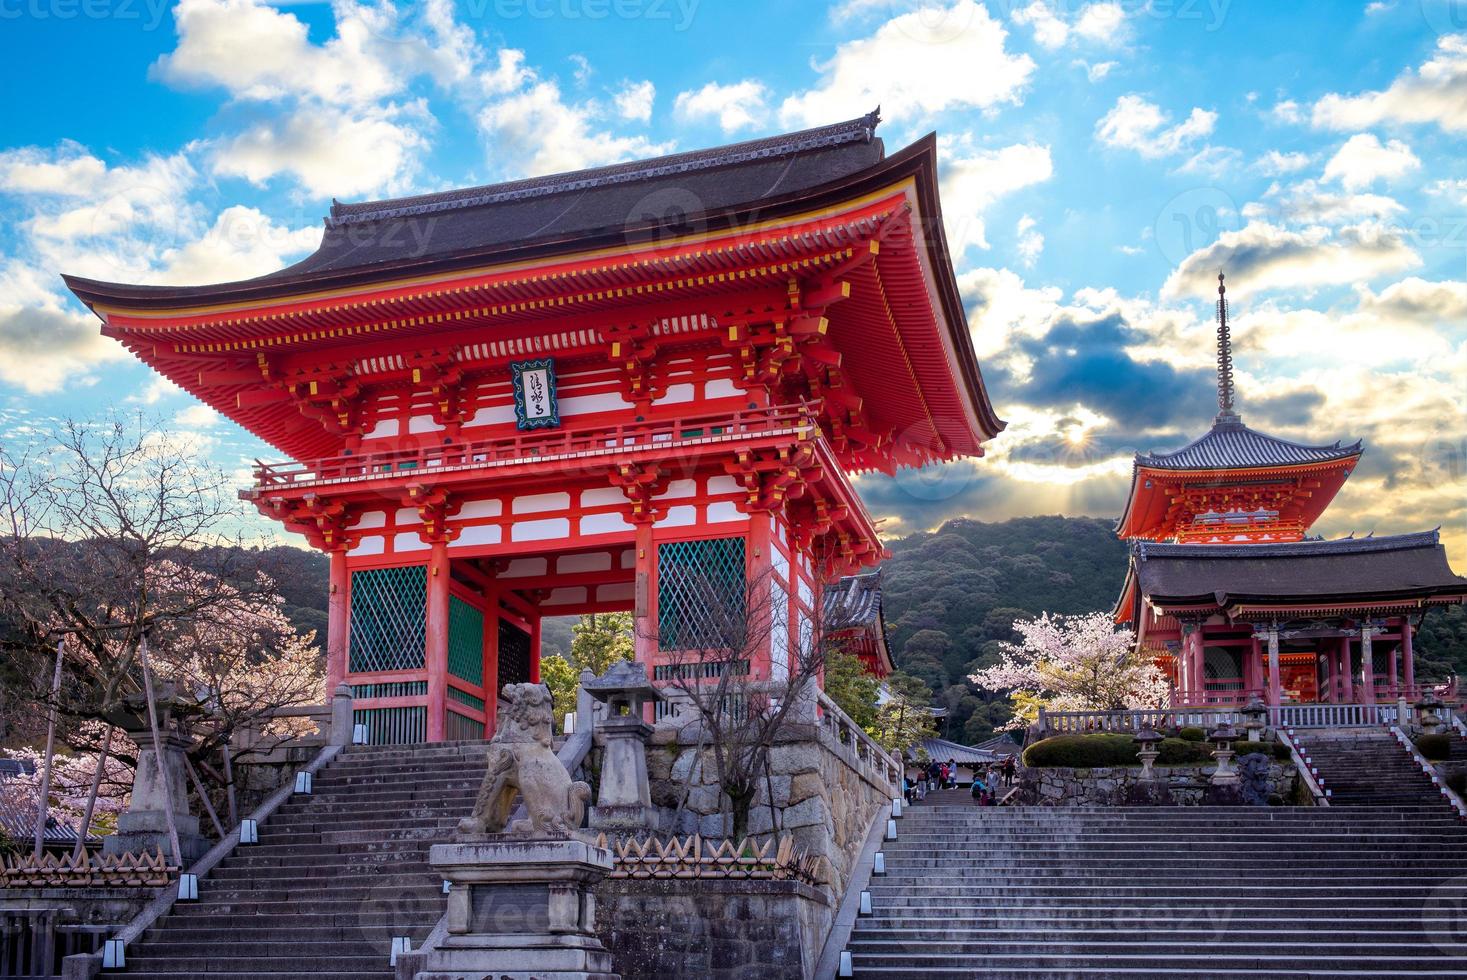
{"points": [[1237, 602], [525, 399]]}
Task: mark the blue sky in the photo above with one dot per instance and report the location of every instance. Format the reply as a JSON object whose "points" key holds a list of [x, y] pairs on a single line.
{"points": [[1100, 162]]}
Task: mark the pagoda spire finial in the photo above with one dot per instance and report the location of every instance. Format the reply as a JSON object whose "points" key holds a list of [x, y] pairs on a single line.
{"points": [[1224, 357]]}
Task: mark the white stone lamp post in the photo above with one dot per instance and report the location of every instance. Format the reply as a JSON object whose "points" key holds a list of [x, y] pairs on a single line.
{"points": [[158, 786], [1147, 738], [1428, 710], [1224, 737], [624, 798], [1255, 719]]}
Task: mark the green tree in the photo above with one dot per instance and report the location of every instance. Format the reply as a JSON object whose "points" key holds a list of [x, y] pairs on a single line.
{"points": [[562, 679], [598, 640], [850, 686], [905, 717]]}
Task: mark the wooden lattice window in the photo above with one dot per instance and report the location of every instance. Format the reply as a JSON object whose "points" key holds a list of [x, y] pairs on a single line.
{"points": [[700, 593], [389, 611], [465, 641], [514, 654]]}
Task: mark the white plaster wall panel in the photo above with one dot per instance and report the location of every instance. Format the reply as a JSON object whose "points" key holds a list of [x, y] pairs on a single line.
{"points": [[597, 561], [720, 485], [372, 544], [678, 488], [805, 595], [566, 596], [779, 563], [603, 497], [524, 567], [493, 415], [629, 558], [676, 395], [479, 534], [539, 503], [423, 423], [474, 509], [372, 518], [779, 632], [721, 388], [588, 404], [547, 530], [723, 512], [680, 516], [616, 592], [409, 541], [384, 429], [406, 515], [607, 523]]}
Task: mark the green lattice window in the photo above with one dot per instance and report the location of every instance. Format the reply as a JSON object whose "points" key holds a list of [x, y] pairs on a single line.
{"points": [[514, 654], [457, 728], [395, 689], [700, 593], [465, 641], [389, 610], [465, 698]]}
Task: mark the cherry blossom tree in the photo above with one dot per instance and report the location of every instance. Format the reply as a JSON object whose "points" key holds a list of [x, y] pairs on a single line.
{"points": [[1073, 663]]}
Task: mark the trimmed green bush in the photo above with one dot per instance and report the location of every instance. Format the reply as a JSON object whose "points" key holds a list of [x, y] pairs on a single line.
{"points": [[1435, 747], [1192, 734], [1082, 751], [1183, 752]]}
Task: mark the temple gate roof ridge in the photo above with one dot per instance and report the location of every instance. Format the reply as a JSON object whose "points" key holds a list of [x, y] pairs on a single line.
{"points": [[1145, 550], [1231, 444]]}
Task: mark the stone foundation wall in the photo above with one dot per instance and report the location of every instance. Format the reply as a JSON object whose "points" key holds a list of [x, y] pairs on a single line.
{"points": [[1115, 786], [823, 794], [713, 928]]}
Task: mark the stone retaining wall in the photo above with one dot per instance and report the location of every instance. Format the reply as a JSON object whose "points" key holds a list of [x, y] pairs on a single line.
{"points": [[715, 928], [1118, 785]]}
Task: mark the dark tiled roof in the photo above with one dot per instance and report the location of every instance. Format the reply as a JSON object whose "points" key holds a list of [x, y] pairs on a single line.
{"points": [[1230, 444], [1385, 567], [18, 815], [941, 750], [665, 192], [853, 601]]}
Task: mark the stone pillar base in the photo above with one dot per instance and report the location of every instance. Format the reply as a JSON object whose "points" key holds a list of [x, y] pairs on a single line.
{"points": [[520, 910], [625, 819], [146, 831]]}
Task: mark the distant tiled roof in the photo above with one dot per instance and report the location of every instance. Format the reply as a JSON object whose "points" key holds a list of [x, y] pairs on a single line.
{"points": [[1396, 565], [1000, 745], [941, 750], [1230, 444], [853, 601], [18, 814]]}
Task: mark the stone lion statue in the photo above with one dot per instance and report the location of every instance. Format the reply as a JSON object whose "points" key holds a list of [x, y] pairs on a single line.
{"points": [[521, 760]]}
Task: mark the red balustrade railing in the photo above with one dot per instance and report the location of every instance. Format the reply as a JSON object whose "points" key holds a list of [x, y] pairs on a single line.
{"points": [[529, 447]]}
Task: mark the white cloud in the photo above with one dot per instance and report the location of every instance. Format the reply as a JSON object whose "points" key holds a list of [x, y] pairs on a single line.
{"points": [[1306, 203], [741, 105], [197, 417], [1050, 30], [48, 347], [1213, 161], [1136, 124], [634, 101], [1436, 93], [1454, 190], [1266, 256], [1095, 23], [330, 152], [69, 170], [1030, 240], [1102, 23], [972, 180], [1275, 163], [241, 244], [583, 70], [1287, 112], [1100, 70], [537, 132], [1418, 301], [914, 65], [1363, 160]]}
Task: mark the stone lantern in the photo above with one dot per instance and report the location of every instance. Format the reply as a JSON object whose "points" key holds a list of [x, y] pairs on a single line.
{"points": [[160, 784], [624, 801], [1255, 719], [1223, 737], [1147, 738], [1428, 710]]}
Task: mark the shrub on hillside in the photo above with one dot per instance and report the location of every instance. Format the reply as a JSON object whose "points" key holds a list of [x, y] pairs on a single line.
{"points": [[1435, 747], [1192, 734]]}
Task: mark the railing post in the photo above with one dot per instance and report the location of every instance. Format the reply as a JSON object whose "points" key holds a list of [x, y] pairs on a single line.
{"points": [[341, 716]]}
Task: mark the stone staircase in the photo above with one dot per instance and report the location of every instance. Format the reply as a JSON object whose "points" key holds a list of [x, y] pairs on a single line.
{"points": [[1367, 767], [1030, 892], [335, 877]]}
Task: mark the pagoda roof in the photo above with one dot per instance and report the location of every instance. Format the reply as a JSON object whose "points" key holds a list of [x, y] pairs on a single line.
{"points": [[1230, 445], [854, 600], [1311, 574], [460, 227]]}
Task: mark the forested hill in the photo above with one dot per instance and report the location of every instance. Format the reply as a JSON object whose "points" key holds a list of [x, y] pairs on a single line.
{"points": [[950, 595]]}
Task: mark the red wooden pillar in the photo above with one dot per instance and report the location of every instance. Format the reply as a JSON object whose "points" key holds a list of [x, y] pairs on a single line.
{"points": [[1409, 655], [1367, 665], [535, 648], [338, 623], [436, 651], [1347, 670], [1332, 673], [1395, 671], [1250, 667], [757, 593], [491, 658], [1199, 665]]}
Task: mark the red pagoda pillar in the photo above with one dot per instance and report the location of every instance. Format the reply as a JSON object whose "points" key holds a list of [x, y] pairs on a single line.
{"points": [[1367, 665], [1275, 682], [1409, 655], [338, 622], [435, 653], [491, 657], [535, 648], [1332, 665], [1395, 671]]}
